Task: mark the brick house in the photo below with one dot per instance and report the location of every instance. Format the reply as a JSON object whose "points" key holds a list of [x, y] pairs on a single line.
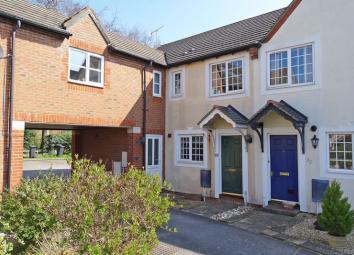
{"points": [[69, 73]]}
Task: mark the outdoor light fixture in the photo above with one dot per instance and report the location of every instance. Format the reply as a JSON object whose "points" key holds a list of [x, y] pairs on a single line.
{"points": [[314, 141], [248, 138]]}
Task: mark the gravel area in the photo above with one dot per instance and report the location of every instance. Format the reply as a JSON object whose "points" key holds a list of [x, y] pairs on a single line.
{"points": [[231, 213], [306, 231]]}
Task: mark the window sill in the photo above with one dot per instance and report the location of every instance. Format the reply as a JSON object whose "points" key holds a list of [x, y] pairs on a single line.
{"points": [[99, 86], [190, 164], [228, 95], [287, 86], [340, 171]]}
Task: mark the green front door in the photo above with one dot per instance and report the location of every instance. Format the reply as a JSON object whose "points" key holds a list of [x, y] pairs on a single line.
{"points": [[231, 164]]}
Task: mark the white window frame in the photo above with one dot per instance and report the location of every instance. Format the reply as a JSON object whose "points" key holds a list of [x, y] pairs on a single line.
{"points": [[177, 148], [334, 170], [234, 92], [159, 82], [88, 82], [289, 84], [174, 95]]}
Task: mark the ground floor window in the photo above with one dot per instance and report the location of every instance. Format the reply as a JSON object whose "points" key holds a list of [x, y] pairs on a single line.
{"points": [[191, 148], [340, 151]]}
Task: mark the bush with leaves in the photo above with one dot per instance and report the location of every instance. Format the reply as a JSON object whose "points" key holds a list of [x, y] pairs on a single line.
{"points": [[336, 217], [112, 215], [5, 247], [24, 212]]}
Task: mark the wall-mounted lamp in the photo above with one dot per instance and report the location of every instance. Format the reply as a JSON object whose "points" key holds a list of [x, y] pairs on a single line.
{"points": [[314, 141], [248, 138]]}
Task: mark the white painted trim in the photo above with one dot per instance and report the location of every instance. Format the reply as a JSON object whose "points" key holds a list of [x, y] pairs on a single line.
{"points": [[212, 115], [18, 125], [177, 161], [171, 90], [160, 160], [287, 88], [266, 180], [217, 155], [244, 56], [153, 83], [87, 69], [323, 150], [134, 130]]}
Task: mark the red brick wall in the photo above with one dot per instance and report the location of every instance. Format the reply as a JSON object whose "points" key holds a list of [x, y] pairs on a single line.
{"points": [[43, 95], [104, 144]]}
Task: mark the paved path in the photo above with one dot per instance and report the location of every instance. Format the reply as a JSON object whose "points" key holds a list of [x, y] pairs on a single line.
{"points": [[35, 167], [196, 234]]}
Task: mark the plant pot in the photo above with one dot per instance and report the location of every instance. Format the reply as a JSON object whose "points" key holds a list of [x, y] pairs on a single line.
{"points": [[338, 242]]}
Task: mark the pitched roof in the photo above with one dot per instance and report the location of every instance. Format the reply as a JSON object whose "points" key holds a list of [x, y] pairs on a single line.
{"points": [[227, 39], [281, 107], [41, 17], [229, 111], [130, 47], [33, 14]]}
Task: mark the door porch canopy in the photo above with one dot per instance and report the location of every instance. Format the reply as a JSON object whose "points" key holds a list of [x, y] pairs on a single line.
{"points": [[285, 110], [227, 113]]}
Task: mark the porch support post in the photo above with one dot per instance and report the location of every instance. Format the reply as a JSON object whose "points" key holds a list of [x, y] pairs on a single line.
{"points": [[258, 127], [300, 127]]}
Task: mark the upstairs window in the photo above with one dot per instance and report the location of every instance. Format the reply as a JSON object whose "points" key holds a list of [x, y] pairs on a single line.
{"points": [[156, 90], [177, 84], [85, 68], [291, 67], [226, 77]]}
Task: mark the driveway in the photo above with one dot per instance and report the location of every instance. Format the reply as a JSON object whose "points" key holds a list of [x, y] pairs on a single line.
{"points": [[200, 235], [35, 167]]}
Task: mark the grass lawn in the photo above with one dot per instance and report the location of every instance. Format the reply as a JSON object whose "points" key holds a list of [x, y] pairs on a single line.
{"points": [[47, 156]]}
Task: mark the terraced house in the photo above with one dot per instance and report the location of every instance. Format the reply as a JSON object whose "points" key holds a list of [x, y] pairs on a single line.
{"points": [[264, 103], [69, 73]]}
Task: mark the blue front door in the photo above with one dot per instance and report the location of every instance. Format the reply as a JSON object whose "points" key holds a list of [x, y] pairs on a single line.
{"points": [[283, 167]]}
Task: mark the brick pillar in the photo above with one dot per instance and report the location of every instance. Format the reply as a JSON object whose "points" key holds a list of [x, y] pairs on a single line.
{"points": [[135, 148], [18, 131]]}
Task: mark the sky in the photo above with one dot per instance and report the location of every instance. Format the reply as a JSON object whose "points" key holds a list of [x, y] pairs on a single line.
{"points": [[183, 18]]}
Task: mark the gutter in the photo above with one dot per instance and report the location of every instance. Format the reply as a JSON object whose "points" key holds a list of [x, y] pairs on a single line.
{"points": [[143, 141], [11, 96], [29, 22]]}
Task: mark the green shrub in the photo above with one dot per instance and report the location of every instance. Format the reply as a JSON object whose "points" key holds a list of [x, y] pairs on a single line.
{"points": [[23, 213], [112, 215], [5, 247], [336, 217], [30, 139]]}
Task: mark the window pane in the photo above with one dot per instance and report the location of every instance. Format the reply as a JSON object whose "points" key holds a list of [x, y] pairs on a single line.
{"points": [[197, 148], [301, 65], [278, 68], [177, 84], [184, 146], [95, 76], [156, 152], [150, 152], [219, 79], [340, 151], [95, 62], [235, 75], [77, 73], [77, 58], [157, 84]]}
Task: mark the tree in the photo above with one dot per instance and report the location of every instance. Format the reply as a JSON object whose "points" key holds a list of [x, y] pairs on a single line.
{"points": [[337, 217], [69, 7]]}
